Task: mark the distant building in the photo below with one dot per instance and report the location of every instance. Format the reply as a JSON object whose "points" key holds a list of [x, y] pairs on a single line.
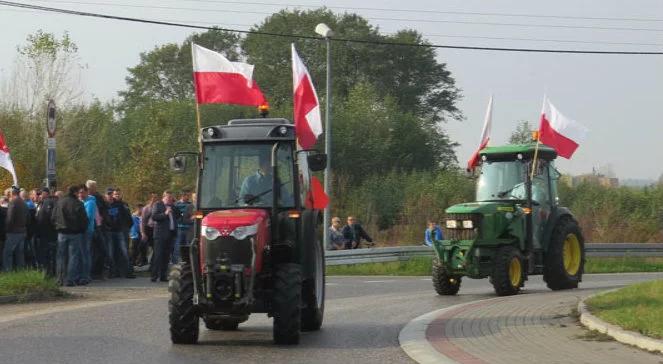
{"points": [[592, 178]]}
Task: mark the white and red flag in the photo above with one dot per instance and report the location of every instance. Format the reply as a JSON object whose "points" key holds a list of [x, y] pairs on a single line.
{"points": [[308, 123], [5, 158], [220, 81], [560, 132], [485, 135]]}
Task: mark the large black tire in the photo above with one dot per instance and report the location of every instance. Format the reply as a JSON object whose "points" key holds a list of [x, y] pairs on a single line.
{"points": [[564, 271], [287, 310], [224, 324], [508, 271], [444, 283], [313, 291], [184, 322]]}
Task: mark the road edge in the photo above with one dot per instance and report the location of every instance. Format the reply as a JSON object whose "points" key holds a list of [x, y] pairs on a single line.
{"points": [[413, 341], [592, 322]]}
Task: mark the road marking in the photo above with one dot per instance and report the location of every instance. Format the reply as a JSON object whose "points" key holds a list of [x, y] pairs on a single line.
{"points": [[379, 281], [426, 279], [331, 284]]}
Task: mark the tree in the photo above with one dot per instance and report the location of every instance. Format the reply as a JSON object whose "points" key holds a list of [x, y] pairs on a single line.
{"points": [[522, 134], [47, 67]]}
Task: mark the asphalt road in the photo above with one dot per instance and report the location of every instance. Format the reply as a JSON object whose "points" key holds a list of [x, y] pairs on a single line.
{"points": [[363, 318]]}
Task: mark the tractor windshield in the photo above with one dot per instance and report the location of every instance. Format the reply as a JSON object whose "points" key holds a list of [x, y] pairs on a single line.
{"points": [[240, 175], [502, 181]]}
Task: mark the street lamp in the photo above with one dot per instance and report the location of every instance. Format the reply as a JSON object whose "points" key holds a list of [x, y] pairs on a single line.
{"points": [[327, 33]]}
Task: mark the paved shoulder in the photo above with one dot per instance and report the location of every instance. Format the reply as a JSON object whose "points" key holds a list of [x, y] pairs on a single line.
{"points": [[534, 327]]}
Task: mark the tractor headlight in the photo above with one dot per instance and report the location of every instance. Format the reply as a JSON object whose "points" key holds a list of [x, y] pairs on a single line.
{"points": [[209, 233], [468, 224], [452, 224], [243, 232]]}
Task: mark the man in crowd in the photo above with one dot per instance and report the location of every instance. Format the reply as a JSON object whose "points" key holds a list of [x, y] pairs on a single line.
{"points": [[165, 217], [118, 225], [15, 227], [184, 224], [353, 233], [90, 205], [101, 257], [138, 249], [47, 236], [70, 221], [147, 226], [30, 228]]}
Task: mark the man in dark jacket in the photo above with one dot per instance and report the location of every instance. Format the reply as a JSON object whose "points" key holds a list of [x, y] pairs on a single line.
{"points": [[70, 221], [353, 233], [119, 221], [165, 217], [47, 236], [100, 254], [15, 227]]}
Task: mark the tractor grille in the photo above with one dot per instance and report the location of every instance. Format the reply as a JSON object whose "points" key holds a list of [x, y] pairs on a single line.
{"points": [[236, 251], [459, 233]]}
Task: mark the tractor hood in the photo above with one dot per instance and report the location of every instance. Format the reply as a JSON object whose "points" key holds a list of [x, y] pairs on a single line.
{"points": [[231, 219], [482, 208]]}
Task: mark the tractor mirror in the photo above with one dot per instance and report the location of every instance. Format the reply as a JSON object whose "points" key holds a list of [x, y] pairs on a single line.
{"points": [[177, 163], [317, 162]]}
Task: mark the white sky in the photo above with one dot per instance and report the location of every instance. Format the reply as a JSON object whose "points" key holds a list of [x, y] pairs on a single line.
{"points": [[617, 96]]}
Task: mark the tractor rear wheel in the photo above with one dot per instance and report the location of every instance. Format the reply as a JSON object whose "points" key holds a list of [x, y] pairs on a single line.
{"points": [[313, 291], [444, 283], [508, 271], [565, 259], [184, 322], [287, 303]]}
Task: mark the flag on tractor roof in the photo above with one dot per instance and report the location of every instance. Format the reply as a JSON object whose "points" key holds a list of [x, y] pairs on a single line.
{"points": [[5, 158], [485, 135], [559, 132], [308, 123], [218, 80]]}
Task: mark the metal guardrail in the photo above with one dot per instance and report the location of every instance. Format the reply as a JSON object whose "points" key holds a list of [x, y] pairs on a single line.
{"points": [[401, 253]]}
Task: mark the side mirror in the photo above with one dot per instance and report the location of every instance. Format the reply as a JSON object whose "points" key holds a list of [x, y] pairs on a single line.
{"points": [[178, 164], [317, 162]]}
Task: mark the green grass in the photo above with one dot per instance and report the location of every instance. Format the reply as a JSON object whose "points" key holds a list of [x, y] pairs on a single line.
{"points": [[421, 266], [638, 308], [30, 283]]}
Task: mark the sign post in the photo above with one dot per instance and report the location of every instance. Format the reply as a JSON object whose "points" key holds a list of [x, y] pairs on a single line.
{"points": [[50, 146]]}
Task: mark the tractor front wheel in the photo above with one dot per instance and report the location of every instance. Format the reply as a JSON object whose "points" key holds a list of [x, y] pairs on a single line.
{"points": [[287, 310], [444, 283], [313, 292], [565, 259], [184, 321], [508, 272]]}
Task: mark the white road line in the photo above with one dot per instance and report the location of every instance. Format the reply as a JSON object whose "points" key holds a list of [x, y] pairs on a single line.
{"points": [[378, 281]]}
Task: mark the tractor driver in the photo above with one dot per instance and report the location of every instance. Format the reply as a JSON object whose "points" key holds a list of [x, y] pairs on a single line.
{"points": [[257, 188]]}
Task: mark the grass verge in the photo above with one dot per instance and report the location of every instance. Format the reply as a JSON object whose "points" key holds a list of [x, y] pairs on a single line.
{"points": [[421, 266], [29, 284], [637, 308]]}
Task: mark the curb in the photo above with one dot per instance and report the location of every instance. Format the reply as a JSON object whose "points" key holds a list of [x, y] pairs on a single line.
{"points": [[623, 336], [8, 299], [414, 343]]}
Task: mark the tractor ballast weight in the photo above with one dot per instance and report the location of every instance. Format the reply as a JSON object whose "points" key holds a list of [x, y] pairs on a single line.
{"points": [[515, 229], [256, 246]]}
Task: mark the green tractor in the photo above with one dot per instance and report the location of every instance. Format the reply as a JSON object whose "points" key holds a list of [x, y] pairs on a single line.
{"points": [[515, 229]]}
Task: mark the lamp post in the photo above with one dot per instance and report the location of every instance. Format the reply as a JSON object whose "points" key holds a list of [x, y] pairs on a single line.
{"points": [[323, 30]]}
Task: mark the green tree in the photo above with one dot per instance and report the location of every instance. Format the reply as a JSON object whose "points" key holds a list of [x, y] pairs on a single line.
{"points": [[522, 134]]}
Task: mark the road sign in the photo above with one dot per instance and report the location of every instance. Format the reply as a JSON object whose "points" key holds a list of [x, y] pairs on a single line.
{"points": [[50, 144], [50, 120]]}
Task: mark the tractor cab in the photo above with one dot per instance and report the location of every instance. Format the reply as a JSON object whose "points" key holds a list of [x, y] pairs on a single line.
{"points": [[256, 245]]}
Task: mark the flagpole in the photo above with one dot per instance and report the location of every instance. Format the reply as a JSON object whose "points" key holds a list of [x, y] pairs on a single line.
{"points": [[538, 139], [200, 139]]}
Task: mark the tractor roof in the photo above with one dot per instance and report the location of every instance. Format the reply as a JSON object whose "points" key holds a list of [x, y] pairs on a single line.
{"points": [[272, 129], [511, 151]]}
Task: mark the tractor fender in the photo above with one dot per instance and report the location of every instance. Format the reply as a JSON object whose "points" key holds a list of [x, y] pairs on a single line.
{"points": [[556, 214], [309, 235]]}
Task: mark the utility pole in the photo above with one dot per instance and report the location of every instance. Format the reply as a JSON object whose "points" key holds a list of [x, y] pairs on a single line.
{"points": [[327, 33], [50, 145]]}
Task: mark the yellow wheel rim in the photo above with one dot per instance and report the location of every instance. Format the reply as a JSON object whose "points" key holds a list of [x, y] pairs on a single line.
{"points": [[515, 272], [572, 254]]}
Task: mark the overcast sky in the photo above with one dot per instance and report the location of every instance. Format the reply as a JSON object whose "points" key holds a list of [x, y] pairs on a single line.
{"points": [[617, 97]]}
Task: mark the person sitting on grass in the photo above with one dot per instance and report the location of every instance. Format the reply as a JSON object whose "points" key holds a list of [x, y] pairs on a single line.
{"points": [[432, 233], [353, 233], [336, 241]]}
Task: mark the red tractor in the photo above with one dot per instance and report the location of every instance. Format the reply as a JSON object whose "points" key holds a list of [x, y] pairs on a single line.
{"points": [[257, 245]]}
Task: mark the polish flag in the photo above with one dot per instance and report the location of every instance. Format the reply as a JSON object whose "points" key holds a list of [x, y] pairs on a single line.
{"points": [[560, 132], [316, 198], [485, 136], [5, 158], [308, 123], [220, 81]]}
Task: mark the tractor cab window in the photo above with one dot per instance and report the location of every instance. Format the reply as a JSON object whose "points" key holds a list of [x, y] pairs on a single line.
{"points": [[503, 180], [540, 183], [240, 175]]}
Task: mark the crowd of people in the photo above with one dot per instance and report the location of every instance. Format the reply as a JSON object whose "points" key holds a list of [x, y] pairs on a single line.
{"points": [[81, 235], [346, 237]]}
